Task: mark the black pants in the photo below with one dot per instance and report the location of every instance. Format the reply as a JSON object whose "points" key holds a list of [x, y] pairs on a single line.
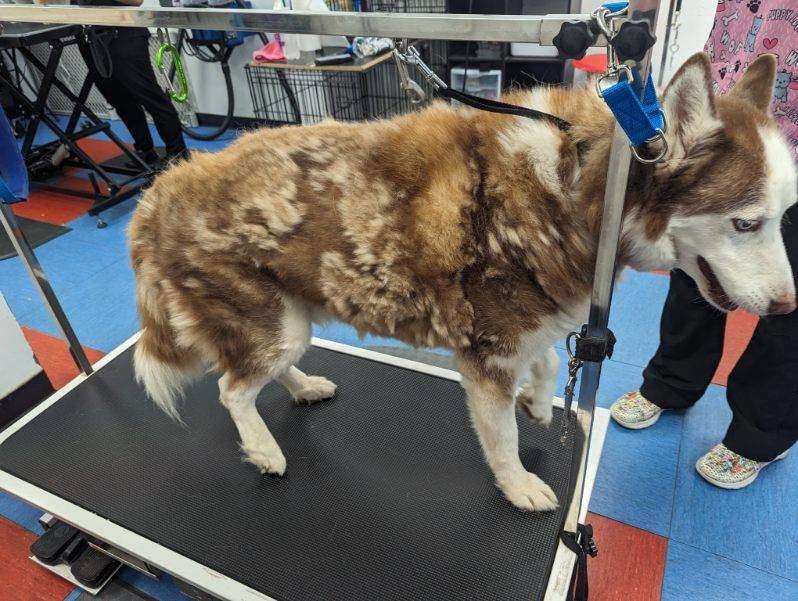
{"points": [[763, 387], [132, 88]]}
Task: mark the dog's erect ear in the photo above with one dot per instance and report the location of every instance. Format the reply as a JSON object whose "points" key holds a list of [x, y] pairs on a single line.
{"points": [[756, 86], [688, 100]]}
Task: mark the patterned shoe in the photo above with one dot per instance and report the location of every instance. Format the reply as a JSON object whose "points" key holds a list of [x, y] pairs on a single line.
{"points": [[727, 469], [635, 411]]}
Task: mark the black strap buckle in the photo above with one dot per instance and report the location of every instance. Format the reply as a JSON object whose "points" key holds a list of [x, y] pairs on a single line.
{"points": [[594, 348], [582, 544]]}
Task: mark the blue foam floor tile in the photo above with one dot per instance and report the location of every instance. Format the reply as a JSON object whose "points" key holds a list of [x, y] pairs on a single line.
{"points": [[346, 334], [635, 316], [102, 309], [20, 513], [637, 473], [74, 595], [695, 575], [757, 525]]}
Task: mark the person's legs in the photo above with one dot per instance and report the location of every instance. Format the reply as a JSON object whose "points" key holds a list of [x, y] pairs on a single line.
{"points": [[763, 387], [129, 111], [691, 345], [142, 88]]}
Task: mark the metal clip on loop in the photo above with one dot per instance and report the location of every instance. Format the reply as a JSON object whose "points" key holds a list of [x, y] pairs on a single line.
{"points": [[659, 137]]}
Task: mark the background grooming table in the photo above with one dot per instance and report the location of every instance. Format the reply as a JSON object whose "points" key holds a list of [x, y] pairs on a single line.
{"points": [[386, 495], [16, 40]]}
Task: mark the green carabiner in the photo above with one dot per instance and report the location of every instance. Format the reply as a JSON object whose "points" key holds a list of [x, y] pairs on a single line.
{"points": [[180, 95]]}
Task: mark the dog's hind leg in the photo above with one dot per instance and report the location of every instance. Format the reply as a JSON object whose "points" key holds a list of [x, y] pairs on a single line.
{"points": [[304, 388], [536, 396], [254, 353], [260, 448], [490, 394]]}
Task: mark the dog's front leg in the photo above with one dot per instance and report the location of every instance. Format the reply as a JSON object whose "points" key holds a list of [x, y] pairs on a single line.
{"points": [[536, 396], [492, 405]]}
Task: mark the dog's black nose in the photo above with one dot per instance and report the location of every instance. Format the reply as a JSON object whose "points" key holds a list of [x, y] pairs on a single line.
{"points": [[782, 306]]}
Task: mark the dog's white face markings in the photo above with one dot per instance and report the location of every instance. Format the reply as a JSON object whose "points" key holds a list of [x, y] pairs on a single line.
{"points": [[645, 254], [745, 259]]}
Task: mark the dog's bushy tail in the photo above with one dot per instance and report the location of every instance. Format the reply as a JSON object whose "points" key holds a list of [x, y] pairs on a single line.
{"points": [[162, 365]]}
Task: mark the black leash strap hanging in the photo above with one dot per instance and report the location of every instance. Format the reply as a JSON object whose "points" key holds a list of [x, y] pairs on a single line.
{"points": [[582, 544], [494, 106], [407, 54]]}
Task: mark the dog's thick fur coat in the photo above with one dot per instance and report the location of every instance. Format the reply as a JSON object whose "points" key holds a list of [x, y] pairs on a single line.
{"points": [[461, 229]]}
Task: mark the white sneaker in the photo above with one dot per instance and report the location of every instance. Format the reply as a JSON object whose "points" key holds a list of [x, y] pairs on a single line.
{"points": [[635, 411], [727, 469]]}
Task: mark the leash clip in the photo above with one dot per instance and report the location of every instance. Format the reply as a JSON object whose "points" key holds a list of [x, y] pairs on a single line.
{"points": [[614, 72], [409, 86], [407, 54]]}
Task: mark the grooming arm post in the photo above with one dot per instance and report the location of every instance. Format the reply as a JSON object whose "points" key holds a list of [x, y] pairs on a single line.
{"points": [[609, 237], [34, 268]]}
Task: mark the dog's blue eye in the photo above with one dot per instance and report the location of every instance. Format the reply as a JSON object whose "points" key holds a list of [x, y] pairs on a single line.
{"points": [[746, 225]]}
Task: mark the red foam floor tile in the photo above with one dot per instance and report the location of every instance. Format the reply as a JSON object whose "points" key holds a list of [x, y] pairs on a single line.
{"points": [[99, 150], [630, 563], [53, 355], [20, 578], [740, 327], [58, 209]]}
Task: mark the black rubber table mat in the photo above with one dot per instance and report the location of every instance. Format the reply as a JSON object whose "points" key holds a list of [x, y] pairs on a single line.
{"points": [[386, 495], [37, 233]]}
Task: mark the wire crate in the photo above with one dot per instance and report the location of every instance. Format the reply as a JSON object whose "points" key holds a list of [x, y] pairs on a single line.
{"points": [[296, 93]]}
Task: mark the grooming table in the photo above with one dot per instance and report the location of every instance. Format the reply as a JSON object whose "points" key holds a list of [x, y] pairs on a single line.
{"points": [[386, 494], [16, 40]]}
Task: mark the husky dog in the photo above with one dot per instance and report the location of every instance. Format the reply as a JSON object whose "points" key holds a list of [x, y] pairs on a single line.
{"points": [[455, 228]]}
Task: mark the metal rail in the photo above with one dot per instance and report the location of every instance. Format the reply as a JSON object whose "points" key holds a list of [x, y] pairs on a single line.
{"points": [[25, 251], [609, 237], [485, 28]]}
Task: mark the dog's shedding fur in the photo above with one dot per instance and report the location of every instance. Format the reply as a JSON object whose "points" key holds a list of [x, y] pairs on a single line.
{"points": [[462, 229]]}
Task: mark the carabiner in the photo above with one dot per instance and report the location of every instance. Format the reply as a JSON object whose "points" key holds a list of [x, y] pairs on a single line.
{"points": [[178, 95]]}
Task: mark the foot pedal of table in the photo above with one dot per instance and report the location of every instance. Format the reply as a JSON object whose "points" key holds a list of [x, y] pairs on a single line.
{"points": [[49, 546], [74, 549], [91, 568]]}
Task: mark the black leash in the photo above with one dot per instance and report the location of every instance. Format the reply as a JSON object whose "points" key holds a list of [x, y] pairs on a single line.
{"points": [[582, 544], [494, 106]]}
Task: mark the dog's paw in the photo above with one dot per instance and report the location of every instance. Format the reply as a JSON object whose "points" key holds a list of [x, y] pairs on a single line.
{"points": [[314, 388], [269, 460], [529, 493], [538, 410]]}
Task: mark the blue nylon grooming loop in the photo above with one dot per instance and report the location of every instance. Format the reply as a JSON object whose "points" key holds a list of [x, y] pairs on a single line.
{"points": [[642, 120]]}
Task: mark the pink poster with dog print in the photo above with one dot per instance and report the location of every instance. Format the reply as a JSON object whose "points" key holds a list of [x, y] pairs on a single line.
{"points": [[744, 29]]}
